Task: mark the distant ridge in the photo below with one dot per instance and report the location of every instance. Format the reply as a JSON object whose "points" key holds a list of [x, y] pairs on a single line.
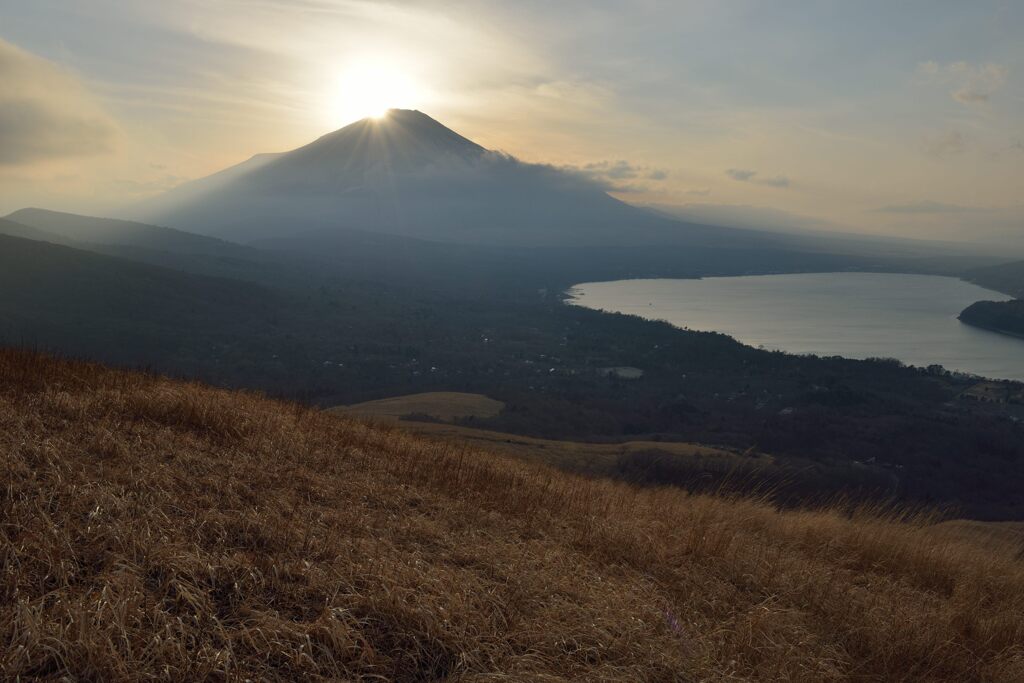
{"points": [[75, 230], [14, 229]]}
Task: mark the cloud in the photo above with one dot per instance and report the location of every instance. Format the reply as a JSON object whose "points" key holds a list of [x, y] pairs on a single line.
{"points": [[577, 92], [45, 113], [946, 144], [30, 131], [616, 171], [967, 96], [613, 175], [969, 83], [740, 174], [929, 207], [747, 176]]}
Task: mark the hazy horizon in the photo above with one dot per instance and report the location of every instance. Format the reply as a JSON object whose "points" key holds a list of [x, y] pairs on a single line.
{"points": [[864, 118]]}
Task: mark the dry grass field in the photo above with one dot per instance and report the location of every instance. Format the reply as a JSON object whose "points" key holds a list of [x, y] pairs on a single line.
{"points": [[1002, 536], [157, 530]]}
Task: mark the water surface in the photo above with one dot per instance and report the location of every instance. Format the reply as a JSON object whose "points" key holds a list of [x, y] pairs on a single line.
{"points": [[856, 315]]}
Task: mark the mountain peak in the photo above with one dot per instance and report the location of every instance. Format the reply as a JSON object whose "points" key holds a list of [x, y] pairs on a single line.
{"points": [[395, 116], [406, 113], [402, 137]]}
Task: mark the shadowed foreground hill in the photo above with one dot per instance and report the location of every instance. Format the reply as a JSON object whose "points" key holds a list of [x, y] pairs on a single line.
{"points": [[118, 310], [156, 529]]}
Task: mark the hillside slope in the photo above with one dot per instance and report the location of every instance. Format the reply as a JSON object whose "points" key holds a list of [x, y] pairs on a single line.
{"points": [[157, 529], [1005, 277]]}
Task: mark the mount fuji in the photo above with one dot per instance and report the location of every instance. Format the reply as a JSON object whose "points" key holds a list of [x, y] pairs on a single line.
{"points": [[408, 175]]}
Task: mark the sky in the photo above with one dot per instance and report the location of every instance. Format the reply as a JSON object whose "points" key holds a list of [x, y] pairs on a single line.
{"points": [[898, 118]]}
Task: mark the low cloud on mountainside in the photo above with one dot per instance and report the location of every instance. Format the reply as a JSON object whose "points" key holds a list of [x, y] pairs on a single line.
{"points": [[619, 176], [45, 113]]}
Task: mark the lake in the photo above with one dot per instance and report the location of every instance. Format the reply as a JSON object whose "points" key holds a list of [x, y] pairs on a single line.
{"points": [[856, 315]]}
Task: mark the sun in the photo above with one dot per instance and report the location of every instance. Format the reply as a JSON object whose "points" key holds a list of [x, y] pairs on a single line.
{"points": [[369, 87]]}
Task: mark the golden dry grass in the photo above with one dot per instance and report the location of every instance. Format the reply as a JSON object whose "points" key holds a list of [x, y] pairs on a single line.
{"points": [[153, 529], [1002, 536], [441, 405]]}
